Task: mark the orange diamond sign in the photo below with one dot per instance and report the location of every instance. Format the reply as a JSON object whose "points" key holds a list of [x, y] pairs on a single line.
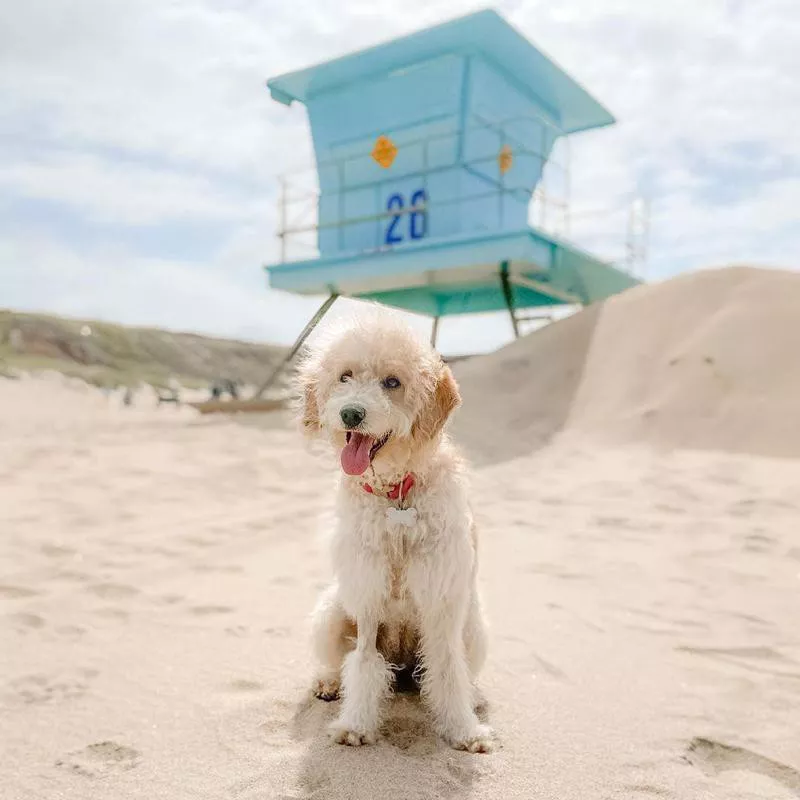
{"points": [[384, 151], [505, 158]]}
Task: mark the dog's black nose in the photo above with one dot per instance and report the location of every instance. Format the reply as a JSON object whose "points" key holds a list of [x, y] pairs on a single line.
{"points": [[352, 416]]}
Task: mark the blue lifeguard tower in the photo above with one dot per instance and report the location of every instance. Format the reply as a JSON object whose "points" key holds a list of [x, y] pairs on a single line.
{"points": [[428, 151]]}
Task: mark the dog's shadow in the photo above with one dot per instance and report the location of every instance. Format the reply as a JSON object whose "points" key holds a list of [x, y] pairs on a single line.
{"points": [[409, 760]]}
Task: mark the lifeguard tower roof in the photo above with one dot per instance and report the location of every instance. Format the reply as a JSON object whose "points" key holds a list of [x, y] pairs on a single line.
{"points": [[484, 34], [428, 151]]}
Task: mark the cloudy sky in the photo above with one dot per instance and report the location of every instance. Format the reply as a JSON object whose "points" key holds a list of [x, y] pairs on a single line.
{"points": [[139, 148]]}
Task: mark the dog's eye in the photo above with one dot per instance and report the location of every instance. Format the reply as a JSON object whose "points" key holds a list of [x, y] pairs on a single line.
{"points": [[345, 376], [391, 382]]}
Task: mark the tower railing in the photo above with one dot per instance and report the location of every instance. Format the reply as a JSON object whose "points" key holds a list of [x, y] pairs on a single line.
{"points": [[550, 206]]}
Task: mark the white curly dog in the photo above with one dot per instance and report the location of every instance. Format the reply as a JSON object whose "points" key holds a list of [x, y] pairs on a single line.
{"points": [[404, 547]]}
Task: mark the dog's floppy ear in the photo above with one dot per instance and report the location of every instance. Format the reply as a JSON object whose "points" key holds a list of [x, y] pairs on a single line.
{"points": [[439, 405], [307, 406], [310, 408]]}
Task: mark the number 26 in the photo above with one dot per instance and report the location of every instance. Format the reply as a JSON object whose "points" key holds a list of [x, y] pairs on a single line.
{"points": [[418, 220]]}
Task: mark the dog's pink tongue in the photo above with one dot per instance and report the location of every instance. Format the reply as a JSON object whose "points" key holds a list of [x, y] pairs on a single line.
{"points": [[355, 455]]}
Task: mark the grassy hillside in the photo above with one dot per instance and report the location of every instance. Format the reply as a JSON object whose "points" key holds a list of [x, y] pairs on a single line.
{"points": [[116, 355]]}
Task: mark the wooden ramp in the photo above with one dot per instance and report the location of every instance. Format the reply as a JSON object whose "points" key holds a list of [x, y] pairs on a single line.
{"points": [[256, 405]]}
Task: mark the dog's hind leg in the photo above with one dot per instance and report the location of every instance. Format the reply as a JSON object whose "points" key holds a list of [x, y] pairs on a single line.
{"points": [[475, 646], [475, 636], [333, 636]]}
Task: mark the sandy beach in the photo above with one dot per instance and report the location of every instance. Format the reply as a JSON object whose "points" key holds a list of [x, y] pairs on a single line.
{"points": [[640, 563]]}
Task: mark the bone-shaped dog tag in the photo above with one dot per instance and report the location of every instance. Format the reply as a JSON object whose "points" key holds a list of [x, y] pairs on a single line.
{"points": [[401, 516]]}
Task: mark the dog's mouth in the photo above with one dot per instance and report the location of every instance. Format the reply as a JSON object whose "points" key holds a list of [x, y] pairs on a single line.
{"points": [[359, 450]]}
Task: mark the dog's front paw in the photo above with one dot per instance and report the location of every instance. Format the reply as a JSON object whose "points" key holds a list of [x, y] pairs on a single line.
{"points": [[479, 740], [327, 689], [343, 734]]}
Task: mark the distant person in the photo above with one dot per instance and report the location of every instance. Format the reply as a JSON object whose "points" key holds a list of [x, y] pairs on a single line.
{"points": [[224, 386]]}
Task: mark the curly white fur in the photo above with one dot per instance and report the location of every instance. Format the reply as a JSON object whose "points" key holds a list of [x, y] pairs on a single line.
{"points": [[403, 595]]}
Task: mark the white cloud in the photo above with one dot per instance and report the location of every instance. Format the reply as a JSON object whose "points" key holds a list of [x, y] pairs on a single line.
{"points": [[113, 191], [152, 113], [112, 284]]}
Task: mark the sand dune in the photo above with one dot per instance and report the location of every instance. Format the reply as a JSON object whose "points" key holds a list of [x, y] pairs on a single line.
{"points": [[707, 360], [157, 570]]}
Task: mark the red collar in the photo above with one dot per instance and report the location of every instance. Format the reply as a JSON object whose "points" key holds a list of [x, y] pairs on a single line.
{"points": [[395, 490]]}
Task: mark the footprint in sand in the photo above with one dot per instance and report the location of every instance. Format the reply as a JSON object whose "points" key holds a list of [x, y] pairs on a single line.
{"points": [[278, 631], [758, 541], [554, 571], [635, 790], [750, 619], [230, 569], [57, 551], [715, 758], [112, 591], [621, 523], [764, 660], [547, 667], [40, 689], [73, 576], [25, 622], [208, 611], [169, 599], [112, 613], [16, 592], [667, 508], [71, 631], [199, 541], [245, 685], [100, 759], [460, 775], [743, 508], [275, 727]]}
